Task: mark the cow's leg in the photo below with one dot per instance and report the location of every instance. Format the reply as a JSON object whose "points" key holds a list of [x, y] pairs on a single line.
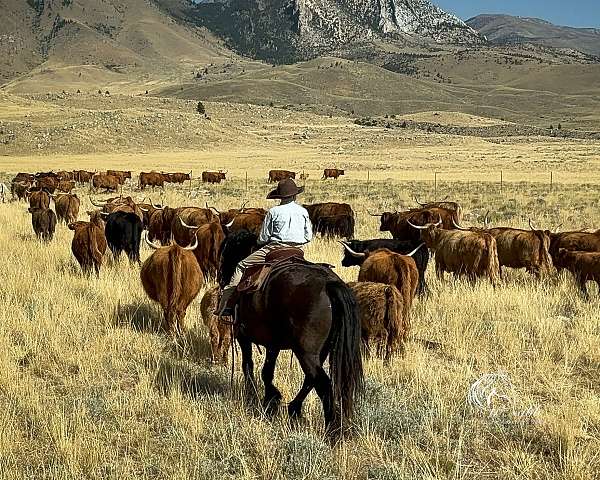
{"points": [[272, 394], [582, 287]]}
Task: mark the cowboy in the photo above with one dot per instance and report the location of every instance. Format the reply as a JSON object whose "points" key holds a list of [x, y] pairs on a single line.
{"points": [[286, 225]]}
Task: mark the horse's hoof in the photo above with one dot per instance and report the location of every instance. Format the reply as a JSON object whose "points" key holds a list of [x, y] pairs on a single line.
{"points": [[294, 412]]}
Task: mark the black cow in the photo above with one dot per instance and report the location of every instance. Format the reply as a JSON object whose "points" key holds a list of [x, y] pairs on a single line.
{"points": [[336, 226], [421, 256], [123, 234]]}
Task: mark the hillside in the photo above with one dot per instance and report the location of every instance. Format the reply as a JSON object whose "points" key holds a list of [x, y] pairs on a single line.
{"points": [[283, 31], [507, 29], [118, 36]]}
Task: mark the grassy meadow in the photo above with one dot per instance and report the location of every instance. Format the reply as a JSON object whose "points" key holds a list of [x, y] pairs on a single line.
{"points": [[89, 388]]}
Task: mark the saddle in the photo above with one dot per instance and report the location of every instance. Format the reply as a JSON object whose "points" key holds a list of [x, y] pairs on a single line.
{"points": [[255, 277]]}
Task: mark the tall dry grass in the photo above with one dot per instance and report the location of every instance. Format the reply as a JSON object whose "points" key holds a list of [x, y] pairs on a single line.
{"points": [[90, 389]]}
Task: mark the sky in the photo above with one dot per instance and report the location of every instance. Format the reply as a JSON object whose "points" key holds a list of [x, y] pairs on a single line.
{"points": [[575, 13]]}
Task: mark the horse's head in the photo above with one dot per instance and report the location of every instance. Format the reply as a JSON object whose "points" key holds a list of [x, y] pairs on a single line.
{"points": [[237, 246]]}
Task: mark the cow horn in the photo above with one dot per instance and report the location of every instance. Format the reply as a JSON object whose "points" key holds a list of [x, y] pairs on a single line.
{"points": [[97, 204], [192, 247], [104, 214], [352, 252], [557, 228], [375, 214], [212, 208], [486, 220], [439, 221], [143, 209], [414, 251], [418, 227], [456, 225], [191, 227], [419, 203], [243, 206], [150, 244], [531, 226], [230, 224]]}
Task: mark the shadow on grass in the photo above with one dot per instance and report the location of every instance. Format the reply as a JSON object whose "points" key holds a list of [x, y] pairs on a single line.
{"points": [[142, 317], [173, 374]]}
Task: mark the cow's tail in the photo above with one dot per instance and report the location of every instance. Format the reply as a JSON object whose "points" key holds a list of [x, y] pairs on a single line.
{"points": [[174, 279], [396, 322], [95, 252], [345, 360], [493, 264]]}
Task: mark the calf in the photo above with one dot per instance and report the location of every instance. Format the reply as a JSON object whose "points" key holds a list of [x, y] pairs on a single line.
{"points": [[123, 234], [381, 310], [354, 249], [172, 277], [585, 267], [89, 243], [219, 331], [385, 266], [43, 221]]}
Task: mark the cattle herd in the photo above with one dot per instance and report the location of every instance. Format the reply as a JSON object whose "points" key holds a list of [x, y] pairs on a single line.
{"points": [[186, 243]]}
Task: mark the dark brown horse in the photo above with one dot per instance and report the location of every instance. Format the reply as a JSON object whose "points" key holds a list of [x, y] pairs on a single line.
{"points": [[308, 309]]}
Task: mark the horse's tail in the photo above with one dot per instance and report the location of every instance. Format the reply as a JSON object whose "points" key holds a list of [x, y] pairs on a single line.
{"points": [[345, 362]]}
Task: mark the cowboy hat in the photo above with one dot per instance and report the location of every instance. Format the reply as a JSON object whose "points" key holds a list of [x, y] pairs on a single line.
{"points": [[285, 189]]}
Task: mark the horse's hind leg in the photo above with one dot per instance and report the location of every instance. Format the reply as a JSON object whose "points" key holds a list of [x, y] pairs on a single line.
{"points": [[295, 406], [272, 394], [248, 370]]}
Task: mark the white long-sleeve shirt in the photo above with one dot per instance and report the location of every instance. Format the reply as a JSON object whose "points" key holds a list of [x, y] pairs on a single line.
{"points": [[287, 223]]}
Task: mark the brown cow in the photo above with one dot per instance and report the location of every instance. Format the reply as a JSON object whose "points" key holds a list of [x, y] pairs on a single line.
{"points": [[43, 221], [213, 177], [48, 183], [89, 243], [381, 308], [121, 175], [398, 223], [158, 229], [218, 330], [64, 175], [210, 237], [39, 199], [19, 190], [518, 248], [119, 204], [278, 175], [188, 219], [585, 267], [152, 179], [247, 220], [148, 210], [82, 176], [444, 205], [332, 218], [575, 241], [332, 173], [24, 177], [470, 253], [66, 186], [178, 177], [109, 183], [385, 266], [172, 277], [67, 207]]}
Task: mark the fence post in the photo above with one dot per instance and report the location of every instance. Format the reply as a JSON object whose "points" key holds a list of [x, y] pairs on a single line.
{"points": [[501, 182], [190, 192], [435, 185], [368, 181], [246, 181], [551, 180]]}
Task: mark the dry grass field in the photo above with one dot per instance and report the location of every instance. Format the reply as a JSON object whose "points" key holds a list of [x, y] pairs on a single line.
{"points": [[90, 389]]}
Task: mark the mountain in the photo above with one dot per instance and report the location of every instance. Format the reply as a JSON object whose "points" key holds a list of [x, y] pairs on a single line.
{"points": [[288, 30], [506, 29], [117, 34]]}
